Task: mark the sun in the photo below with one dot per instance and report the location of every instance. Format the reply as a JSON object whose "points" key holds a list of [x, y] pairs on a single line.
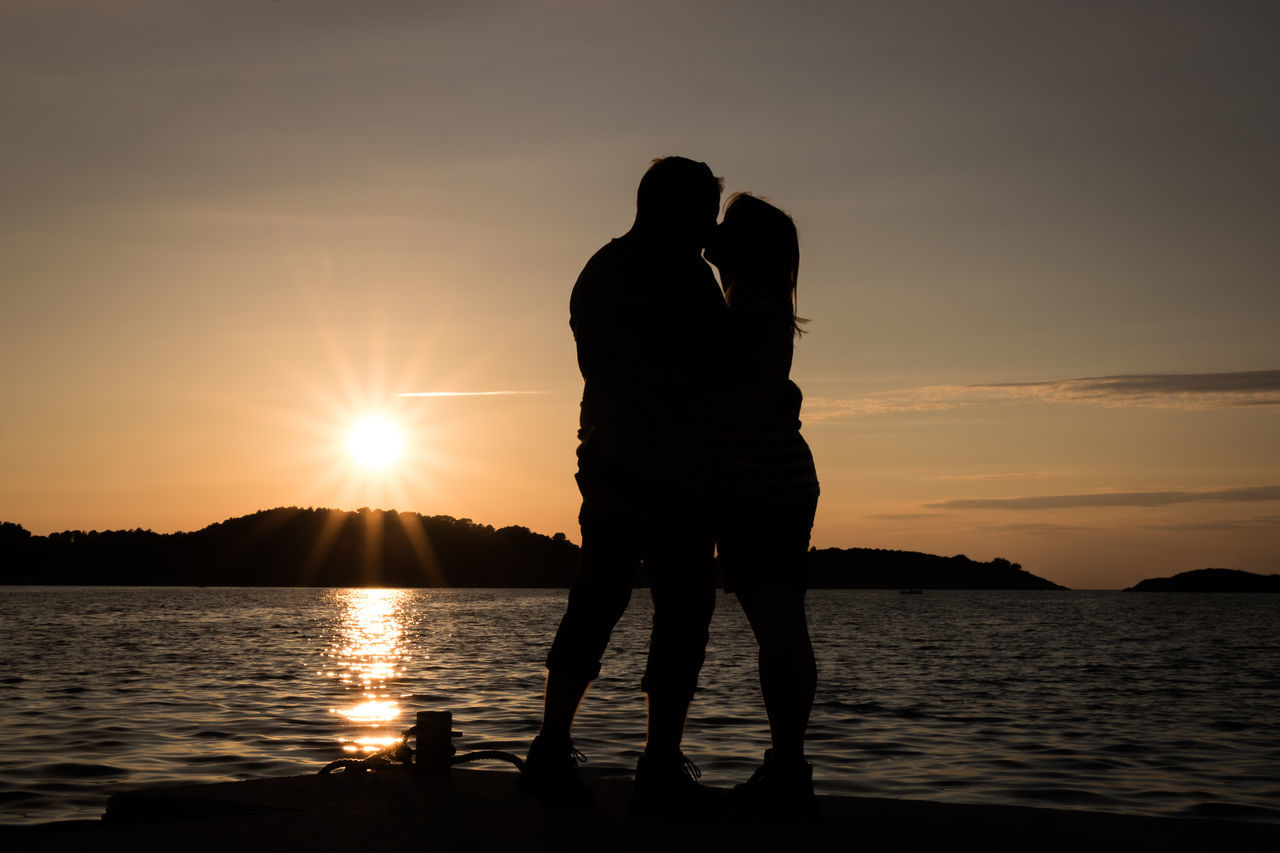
{"points": [[375, 442]]}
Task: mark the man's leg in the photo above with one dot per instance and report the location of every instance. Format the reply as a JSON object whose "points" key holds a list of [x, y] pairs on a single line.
{"points": [[598, 598], [682, 583], [682, 610], [667, 713], [564, 693]]}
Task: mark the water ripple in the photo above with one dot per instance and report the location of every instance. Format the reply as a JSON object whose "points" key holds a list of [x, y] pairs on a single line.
{"points": [[1077, 700]]}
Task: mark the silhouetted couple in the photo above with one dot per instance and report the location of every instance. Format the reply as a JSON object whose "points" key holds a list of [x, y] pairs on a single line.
{"points": [[689, 441]]}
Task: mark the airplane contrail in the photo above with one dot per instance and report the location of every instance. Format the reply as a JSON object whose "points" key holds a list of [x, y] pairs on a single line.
{"points": [[466, 393]]}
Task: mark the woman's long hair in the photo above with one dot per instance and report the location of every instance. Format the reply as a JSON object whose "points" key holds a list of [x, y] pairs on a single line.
{"points": [[764, 249]]}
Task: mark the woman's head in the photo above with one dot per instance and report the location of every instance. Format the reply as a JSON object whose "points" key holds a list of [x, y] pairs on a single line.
{"points": [[757, 249]]}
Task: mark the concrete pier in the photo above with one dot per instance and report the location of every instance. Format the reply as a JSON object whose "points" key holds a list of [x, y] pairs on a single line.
{"points": [[480, 810]]}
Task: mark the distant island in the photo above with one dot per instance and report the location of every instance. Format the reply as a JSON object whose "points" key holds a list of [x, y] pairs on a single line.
{"points": [[874, 568], [1210, 580], [293, 546]]}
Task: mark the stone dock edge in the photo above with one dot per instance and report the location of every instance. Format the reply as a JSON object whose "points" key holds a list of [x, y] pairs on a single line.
{"points": [[480, 810]]}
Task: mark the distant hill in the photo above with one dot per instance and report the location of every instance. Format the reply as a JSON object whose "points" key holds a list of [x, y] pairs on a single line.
{"points": [[1210, 580], [872, 568], [292, 546]]}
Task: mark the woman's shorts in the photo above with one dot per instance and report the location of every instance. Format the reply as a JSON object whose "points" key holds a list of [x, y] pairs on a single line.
{"points": [[763, 543]]}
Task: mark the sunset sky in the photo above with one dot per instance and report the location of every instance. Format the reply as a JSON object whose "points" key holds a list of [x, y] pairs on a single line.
{"points": [[1039, 240]]}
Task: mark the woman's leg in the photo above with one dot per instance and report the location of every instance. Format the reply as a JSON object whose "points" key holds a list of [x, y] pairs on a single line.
{"points": [[788, 671]]}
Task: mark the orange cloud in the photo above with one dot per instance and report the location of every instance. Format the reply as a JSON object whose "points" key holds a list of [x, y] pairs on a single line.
{"points": [[1246, 494]]}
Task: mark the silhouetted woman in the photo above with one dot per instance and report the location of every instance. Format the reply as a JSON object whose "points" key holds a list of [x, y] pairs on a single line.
{"points": [[768, 487]]}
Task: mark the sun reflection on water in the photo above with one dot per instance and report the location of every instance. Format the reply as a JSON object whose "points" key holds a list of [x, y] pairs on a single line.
{"points": [[368, 654]]}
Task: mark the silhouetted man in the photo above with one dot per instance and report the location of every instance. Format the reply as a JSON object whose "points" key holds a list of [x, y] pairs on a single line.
{"points": [[645, 314]]}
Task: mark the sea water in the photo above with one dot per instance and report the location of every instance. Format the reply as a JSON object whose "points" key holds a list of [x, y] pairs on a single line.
{"points": [[1164, 704]]}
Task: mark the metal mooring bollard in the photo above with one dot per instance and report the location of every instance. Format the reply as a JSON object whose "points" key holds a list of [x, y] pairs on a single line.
{"points": [[434, 747]]}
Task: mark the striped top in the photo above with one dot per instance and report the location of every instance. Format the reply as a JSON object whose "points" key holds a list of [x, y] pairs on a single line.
{"points": [[646, 323], [759, 450]]}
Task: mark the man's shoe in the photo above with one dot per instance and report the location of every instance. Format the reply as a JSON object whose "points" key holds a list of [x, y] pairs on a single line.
{"points": [[780, 786], [550, 773], [668, 785]]}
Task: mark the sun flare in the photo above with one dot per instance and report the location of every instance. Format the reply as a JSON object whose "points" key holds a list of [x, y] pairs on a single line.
{"points": [[375, 442]]}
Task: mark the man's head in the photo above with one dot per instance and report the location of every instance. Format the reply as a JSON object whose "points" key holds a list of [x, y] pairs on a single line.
{"points": [[679, 200]]}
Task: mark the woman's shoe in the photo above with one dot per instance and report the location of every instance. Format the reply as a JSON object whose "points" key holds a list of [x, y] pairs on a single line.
{"points": [[780, 786]]}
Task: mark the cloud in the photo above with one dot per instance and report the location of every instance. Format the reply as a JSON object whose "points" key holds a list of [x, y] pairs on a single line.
{"points": [[1141, 390], [1248, 494], [1261, 522], [1160, 390]]}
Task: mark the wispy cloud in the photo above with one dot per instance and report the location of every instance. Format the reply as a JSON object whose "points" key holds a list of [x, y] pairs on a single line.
{"points": [[1248, 494], [468, 393], [1144, 390], [1161, 390], [1261, 522]]}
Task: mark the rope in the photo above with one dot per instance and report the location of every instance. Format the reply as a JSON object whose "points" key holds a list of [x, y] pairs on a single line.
{"points": [[486, 754], [397, 754], [401, 753]]}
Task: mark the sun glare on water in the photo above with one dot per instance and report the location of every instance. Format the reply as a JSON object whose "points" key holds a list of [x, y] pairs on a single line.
{"points": [[375, 442], [367, 656]]}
